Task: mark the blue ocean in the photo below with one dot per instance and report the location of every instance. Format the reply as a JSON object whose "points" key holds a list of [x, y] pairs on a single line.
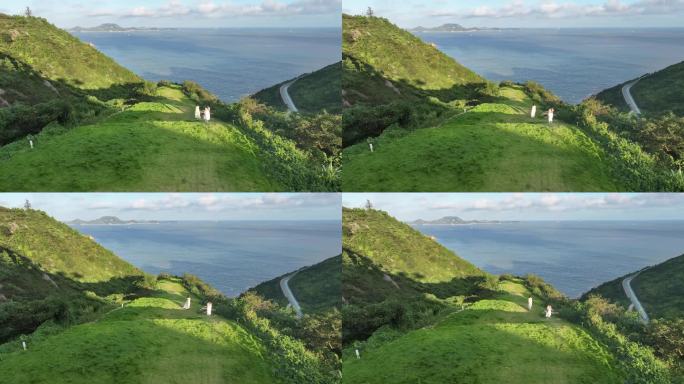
{"points": [[574, 256], [231, 63], [232, 256], [573, 63]]}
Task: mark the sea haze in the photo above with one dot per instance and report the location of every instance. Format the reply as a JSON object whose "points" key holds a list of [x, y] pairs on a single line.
{"points": [[232, 256], [573, 63], [574, 256], [231, 63]]}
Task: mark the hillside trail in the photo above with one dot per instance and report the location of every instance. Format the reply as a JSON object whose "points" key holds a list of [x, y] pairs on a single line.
{"points": [[631, 295], [287, 292], [151, 340], [495, 340], [627, 95], [285, 95]]}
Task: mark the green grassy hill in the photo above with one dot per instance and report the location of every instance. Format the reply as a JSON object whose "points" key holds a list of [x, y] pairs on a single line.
{"points": [[317, 288], [151, 340], [659, 288], [312, 93], [493, 147], [491, 341], [151, 146], [655, 93]]}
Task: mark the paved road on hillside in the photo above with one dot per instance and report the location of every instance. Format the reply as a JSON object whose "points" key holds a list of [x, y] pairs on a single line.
{"points": [[289, 295], [628, 96], [286, 96], [626, 285]]}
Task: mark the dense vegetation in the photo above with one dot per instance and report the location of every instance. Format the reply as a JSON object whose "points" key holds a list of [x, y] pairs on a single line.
{"points": [[312, 93], [655, 93], [409, 84], [317, 288]]}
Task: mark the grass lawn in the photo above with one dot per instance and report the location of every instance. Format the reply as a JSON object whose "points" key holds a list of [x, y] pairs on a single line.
{"points": [[493, 147], [151, 340], [492, 341], [152, 146]]}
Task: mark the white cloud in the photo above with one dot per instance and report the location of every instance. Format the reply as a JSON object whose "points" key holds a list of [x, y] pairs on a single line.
{"points": [[228, 202], [568, 9]]}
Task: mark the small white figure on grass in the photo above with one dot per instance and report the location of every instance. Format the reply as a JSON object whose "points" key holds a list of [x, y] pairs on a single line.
{"points": [[198, 114], [371, 146], [31, 143], [550, 113], [209, 308], [121, 305], [529, 303], [358, 356], [548, 311], [207, 114], [23, 344], [533, 112], [187, 304]]}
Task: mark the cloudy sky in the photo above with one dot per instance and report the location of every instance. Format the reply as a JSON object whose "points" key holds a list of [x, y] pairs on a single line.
{"points": [[183, 13], [528, 206], [526, 13], [185, 206]]}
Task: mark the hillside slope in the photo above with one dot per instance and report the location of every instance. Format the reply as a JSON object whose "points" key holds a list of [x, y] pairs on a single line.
{"points": [[659, 288], [654, 93], [151, 340], [317, 288], [312, 93], [151, 146], [493, 147], [491, 341]]}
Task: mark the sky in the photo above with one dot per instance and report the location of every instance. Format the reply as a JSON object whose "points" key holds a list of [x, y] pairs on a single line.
{"points": [[524, 207], [526, 13], [181, 206], [183, 13]]}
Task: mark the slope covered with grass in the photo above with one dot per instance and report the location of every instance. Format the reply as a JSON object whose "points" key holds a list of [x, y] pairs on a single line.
{"points": [[311, 93], [151, 340], [491, 341], [654, 93], [155, 145], [492, 147], [659, 288]]}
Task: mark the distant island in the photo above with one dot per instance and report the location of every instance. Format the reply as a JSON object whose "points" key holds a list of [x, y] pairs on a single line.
{"points": [[109, 27], [455, 220], [110, 220], [451, 27]]}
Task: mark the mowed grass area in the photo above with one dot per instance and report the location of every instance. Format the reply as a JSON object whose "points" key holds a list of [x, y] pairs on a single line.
{"points": [[151, 146], [493, 341], [151, 340], [492, 147]]}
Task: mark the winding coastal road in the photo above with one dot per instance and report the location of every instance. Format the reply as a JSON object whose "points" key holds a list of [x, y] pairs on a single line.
{"points": [[628, 96], [626, 285], [289, 295], [286, 96]]}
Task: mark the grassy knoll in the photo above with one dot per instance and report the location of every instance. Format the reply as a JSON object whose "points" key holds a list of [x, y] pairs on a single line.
{"points": [[151, 340], [317, 288], [312, 93], [493, 147], [655, 93], [151, 146], [659, 288], [492, 341]]}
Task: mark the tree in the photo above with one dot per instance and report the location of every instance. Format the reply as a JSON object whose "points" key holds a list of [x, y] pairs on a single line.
{"points": [[28, 12], [27, 205], [369, 205], [369, 12]]}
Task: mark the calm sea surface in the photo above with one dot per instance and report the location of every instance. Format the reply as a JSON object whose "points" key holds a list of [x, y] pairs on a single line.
{"points": [[573, 256], [231, 256], [231, 63], [573, 63]]}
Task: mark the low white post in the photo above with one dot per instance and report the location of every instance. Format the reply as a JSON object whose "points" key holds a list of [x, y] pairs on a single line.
{"points": [[533, 113], [197, 112], [371, 146], [358, 356], [23, 344], [31, 143], [209, 309], [187, 304]]}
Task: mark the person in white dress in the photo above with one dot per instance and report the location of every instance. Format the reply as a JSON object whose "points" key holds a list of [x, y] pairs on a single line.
{"points": [[533, 112], [207, 114], [551, 111], [198, 115], [529, 303], [548, 312]]}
